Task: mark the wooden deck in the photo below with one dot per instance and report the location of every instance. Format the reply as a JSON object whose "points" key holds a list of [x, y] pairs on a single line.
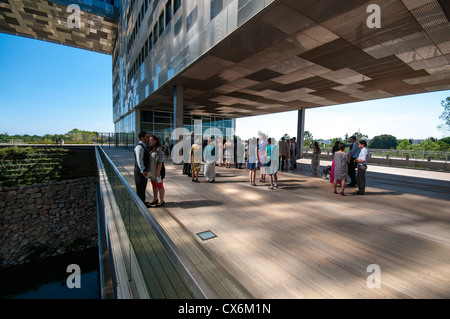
{"points": [[302, 240]]}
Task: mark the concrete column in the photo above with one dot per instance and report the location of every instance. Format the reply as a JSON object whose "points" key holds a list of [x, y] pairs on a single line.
{"points": [[178, 106], [300, 131]]}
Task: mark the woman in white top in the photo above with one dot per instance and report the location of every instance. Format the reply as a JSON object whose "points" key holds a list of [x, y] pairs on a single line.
{"points": [[209, 155], [220, 151], [228, 147]]}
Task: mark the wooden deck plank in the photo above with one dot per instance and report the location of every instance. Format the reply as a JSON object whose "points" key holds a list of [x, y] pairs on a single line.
{"points": [[218, 282], [157, 262], [216, 279], [303, 241]]}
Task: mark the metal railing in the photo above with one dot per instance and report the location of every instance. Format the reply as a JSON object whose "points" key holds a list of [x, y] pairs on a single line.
{"points": [[124, 140], [146, 262], [400, 154]]}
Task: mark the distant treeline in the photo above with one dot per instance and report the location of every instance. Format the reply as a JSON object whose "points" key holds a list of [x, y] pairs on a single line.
{"points": [[387, 141], [429, 145], [74, 136]]}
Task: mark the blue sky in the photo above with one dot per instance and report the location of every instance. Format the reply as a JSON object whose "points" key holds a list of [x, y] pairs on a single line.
{"points": [[51, 88], [414, 116], [47, 88]]}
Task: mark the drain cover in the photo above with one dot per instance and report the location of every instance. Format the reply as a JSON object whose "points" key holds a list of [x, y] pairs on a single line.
{"points": [[205, 235]]}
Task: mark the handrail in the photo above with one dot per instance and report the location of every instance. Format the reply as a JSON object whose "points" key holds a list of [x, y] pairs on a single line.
{"points": [[187, 271], [107, 276]]}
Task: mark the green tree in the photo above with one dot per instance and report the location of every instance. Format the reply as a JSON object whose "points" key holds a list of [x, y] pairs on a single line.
{"points": [[427, 145], [446, 140], [384, 141], [442, 146], [308, 138], [433, 146], [445, 115], [80, 136], [359, 136], [404, 145], [4, 138], [334, 140]]}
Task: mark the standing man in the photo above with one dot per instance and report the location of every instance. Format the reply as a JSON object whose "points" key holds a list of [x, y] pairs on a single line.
{"points": [[354, 153], [187, 154], [361, 162], [294, 157], [141, 165], [283, 152]]}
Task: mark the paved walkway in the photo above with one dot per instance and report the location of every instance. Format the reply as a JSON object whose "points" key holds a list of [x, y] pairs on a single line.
{"points": [[303, 241]]}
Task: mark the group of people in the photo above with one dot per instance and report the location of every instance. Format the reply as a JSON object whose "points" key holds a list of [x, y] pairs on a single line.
{"points": [[149, 164], [265, 155], [59, 141], [193, 159], [260, 153], [344, 165], [288, 153]]}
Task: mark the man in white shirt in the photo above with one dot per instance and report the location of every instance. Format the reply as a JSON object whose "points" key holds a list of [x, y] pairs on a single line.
{"points": [[361, 162], [141, 165]]}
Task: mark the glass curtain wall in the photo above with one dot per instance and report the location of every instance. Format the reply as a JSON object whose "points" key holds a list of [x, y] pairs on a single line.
{"points": [[160, 123]]}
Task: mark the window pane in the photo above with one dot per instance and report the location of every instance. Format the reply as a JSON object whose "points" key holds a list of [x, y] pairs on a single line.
{"points": [[216, 7], [147, 127], [147, 116], [162, 119], [163, 114], [162, 127], [176, 5], [155, 33], [161, 23], [168, 11]]}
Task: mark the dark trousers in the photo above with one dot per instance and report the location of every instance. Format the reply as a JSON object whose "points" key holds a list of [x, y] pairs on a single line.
{"points": [[295, 158], [141, 184], [282, 162], [361, 178], [187, 169], [351, 171]]}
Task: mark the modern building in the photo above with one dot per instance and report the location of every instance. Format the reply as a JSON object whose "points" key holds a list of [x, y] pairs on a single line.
{"points": [[177, 61]]}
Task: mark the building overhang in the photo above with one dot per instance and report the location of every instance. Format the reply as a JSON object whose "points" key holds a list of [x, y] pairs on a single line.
{"points": [[47, 21], [313, 53]]}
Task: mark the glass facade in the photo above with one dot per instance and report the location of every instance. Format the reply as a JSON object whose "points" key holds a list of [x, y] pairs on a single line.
{"points": [[161, 123], [157, 39], [126, 125]]}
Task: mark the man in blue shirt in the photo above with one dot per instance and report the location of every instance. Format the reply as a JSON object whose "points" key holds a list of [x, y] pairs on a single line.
{"points": [[354, 153], [361, 162]]}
